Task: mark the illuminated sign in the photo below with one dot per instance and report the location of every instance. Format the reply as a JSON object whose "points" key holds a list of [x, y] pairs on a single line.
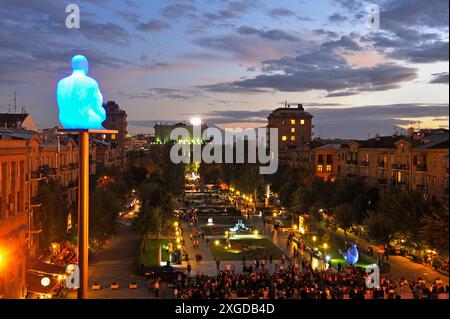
{"points": [[79, 98]]}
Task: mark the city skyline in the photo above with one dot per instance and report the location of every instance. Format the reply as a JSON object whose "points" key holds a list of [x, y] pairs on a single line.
{"points": [[230, 62]]}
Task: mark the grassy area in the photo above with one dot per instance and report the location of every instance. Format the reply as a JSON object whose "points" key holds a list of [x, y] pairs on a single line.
{"points": [[248, 248], [221, 220], [150, 256], [335, 243]]}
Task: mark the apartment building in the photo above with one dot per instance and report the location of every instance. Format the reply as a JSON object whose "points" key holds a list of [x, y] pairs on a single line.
{"points": [[417, 161]]}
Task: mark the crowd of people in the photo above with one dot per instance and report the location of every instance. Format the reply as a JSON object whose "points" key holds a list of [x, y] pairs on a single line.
{"points": [[308, 283], [292, 278]]}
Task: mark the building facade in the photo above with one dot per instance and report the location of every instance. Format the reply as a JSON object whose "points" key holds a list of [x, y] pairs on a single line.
{"points": [[417, 161], [294, 126]]}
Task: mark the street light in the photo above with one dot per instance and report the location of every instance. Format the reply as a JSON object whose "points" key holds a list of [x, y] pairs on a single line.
{"points": [[325, 246]]}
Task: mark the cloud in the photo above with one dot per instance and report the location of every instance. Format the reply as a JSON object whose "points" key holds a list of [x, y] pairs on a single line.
{"points": [[350, 5], [281, 13], [337, 18], [154, 25], [413, 32], [427, 53], [345, 42], [341, 93], [231, 10], [274, 34], [178, 10], [440, 78], [345, 122], [242, 45], [321, 69], [164, 93]]}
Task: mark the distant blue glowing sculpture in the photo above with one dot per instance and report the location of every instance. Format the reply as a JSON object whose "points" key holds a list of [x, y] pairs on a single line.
{"points": [[351, 256], [79, 98]]}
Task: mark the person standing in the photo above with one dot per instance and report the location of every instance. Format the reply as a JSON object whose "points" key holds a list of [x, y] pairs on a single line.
{"points": [[156, 287], [217, 265], [189, 268]]}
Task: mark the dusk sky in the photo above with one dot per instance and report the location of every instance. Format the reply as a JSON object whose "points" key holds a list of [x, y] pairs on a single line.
{"points": [[232, 62]]}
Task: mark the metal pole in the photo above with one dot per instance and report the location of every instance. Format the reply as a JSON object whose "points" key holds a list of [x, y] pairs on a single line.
{"points": [[83, 214]]}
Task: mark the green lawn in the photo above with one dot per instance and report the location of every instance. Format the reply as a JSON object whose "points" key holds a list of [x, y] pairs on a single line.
{"points": [[150, 256], [248, 248], [335, 243]]}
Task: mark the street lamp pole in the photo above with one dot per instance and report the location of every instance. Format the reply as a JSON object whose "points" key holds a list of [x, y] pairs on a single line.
{"points": [[83, 214], [83, 204]]}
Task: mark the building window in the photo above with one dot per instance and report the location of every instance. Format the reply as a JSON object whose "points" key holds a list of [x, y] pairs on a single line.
{"points": [[319, 168], [302, 122], [292, 129], [113, 136], [320, 158], [292, 138], [329, 159], [328, 168], [284, 138], [293, 122]]}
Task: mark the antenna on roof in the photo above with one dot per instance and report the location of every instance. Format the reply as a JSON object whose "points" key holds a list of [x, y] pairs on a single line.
{"points": [[15, 101]]}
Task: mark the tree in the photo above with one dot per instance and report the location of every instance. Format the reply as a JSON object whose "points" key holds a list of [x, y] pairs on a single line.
{"points": [[148, 222], [434, 228], [104, 208], [380, 228], [52, 213], [345, 217], [167, 207]]}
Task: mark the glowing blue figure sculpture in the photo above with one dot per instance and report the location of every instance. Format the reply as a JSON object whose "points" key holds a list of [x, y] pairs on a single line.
{"points": [[239, 225], [79, 98], [351, 256]]}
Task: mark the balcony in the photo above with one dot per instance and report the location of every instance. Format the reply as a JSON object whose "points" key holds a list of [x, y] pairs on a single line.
{"points": [[421, 187], [47, 171], [382, 181], [73, 166], [364, 163], [73, 185], [351, 162], [381, 164], [37, 176], [421, 168], [402, 167]]}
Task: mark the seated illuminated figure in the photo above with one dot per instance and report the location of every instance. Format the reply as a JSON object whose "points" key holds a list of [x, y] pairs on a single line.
{"points": [[239, 225], [79, 98], [351, 256]]}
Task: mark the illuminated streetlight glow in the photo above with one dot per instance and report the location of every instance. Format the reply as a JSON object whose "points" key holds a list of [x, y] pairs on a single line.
{"points": [[45, 281], [196, 121]]}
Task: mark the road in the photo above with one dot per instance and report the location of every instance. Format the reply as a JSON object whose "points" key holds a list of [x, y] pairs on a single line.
{"points": [[115, 264]]}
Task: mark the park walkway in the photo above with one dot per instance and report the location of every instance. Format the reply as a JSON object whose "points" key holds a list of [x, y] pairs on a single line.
{"points": [[115, 264]]}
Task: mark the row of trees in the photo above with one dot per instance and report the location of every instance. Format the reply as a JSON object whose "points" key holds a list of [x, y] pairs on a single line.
{"points": [[386, 214], [59, 215], [159, 182]]}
